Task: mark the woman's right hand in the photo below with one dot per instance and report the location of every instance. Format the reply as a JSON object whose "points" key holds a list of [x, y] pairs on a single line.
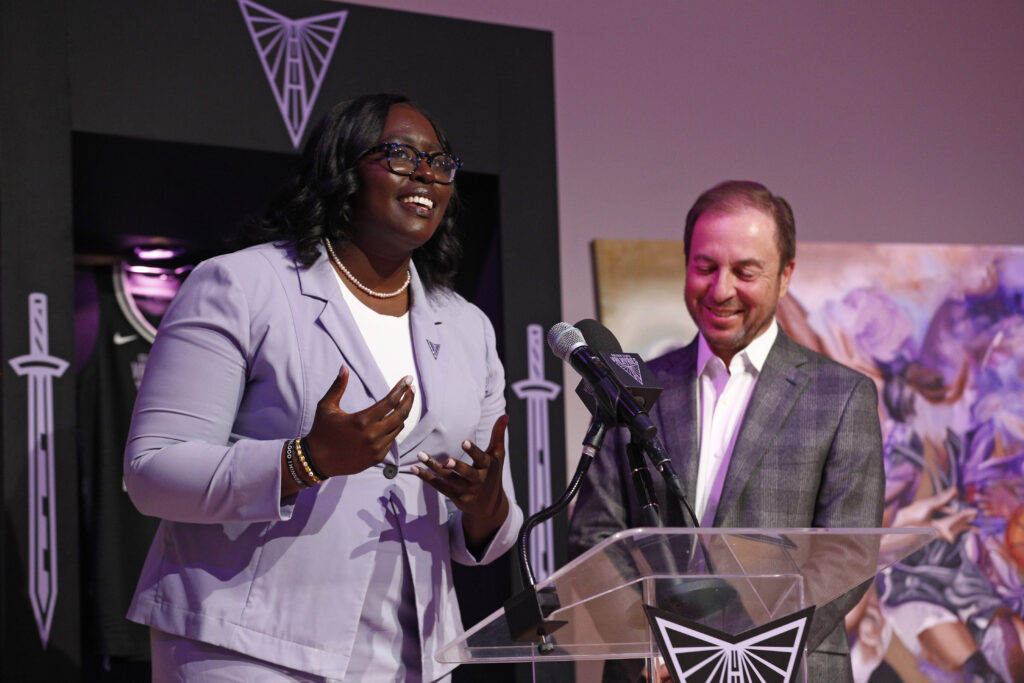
{"points": [[346, 443]]}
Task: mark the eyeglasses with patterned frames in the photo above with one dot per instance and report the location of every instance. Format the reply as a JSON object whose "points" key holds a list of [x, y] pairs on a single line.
{"points": [[404, 159]]}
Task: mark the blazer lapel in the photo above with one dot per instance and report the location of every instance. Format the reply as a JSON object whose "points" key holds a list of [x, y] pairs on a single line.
{"points": [[433, 353], [778, 388], [319, 282], [677, 408]]}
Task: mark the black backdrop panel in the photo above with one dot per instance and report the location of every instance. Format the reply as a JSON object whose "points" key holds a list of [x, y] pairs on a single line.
{"points": [[188, 71], [133, 191], [35, 257]]}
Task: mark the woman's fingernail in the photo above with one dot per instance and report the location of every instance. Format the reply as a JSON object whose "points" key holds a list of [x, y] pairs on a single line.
{"points": [[423, 457]]}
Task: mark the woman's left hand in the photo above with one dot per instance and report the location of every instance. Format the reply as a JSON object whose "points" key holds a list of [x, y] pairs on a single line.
{"points": [[475, 488]]}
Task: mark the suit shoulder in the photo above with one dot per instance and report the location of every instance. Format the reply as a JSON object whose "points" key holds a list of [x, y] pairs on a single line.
{"points": [[820, 364], [452, 306], [271, 254], [671, 361], [443, 298], [258, 273]]}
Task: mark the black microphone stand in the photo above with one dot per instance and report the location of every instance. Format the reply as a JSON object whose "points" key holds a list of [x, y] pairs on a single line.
{"points": [[526, 613], [642, 483], [690, 598]]}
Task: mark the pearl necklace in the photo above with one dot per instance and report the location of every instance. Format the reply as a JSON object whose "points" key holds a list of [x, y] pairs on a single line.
{"points": [[360, 285]]}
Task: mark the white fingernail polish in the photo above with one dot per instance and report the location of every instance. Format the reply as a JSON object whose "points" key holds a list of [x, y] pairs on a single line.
{"points": [[423, 457]]}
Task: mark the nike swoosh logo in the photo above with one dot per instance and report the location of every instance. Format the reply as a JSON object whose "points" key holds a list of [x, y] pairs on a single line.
{"points": [[120, 339]]}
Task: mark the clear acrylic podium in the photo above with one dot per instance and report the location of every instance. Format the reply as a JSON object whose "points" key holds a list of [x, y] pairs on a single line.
{"points": [[731, 580]]}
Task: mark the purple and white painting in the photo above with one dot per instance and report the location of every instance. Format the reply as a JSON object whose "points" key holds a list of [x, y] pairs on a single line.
{"points": [[940, 329]]}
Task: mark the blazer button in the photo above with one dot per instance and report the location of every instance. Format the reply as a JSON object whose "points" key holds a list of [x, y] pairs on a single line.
{"points": [[390, 471]]}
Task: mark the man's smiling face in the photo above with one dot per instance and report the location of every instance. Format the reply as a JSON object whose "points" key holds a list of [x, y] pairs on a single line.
{"points": [[733, 278]]}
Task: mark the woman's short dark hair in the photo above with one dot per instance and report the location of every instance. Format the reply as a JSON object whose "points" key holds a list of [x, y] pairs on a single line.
{"points": [[318, 200], [733, 195]]}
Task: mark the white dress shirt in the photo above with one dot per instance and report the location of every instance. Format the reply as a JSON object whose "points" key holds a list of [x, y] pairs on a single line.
{"points": [[724, 395]]}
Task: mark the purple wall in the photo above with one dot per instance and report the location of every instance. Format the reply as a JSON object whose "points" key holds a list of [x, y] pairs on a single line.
{"points": [[879, 121]]}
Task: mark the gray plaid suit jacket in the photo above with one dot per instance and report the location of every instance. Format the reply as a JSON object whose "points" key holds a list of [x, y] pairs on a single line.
{"points": [[808, 454]]}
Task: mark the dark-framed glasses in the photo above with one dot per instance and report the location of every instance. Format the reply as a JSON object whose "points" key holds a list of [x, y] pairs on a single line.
{"points": [[404, 159]]}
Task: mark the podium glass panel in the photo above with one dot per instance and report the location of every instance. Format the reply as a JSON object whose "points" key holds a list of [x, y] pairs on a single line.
{"points": [[731, 580]]}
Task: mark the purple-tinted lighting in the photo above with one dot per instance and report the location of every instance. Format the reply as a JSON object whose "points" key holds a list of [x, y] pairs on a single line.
{"points": [[157, 270], [157, 253]]}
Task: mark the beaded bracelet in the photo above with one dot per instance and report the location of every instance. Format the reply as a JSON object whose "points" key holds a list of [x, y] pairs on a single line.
{"points": [[289, 460], [305, 463], [303, 445]]}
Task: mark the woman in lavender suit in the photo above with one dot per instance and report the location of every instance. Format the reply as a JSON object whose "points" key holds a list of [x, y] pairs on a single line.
{"points": [[321, 426]]}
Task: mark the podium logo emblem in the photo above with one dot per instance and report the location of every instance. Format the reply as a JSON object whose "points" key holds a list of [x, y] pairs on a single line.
{"points": [[697, 654]]}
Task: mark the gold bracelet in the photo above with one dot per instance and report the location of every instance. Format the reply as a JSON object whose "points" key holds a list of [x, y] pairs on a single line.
{"points": [[304, 444], [305, 463]]}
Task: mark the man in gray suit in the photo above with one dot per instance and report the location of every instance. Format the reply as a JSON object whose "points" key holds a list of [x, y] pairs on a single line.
{"points": [[762, 431]]}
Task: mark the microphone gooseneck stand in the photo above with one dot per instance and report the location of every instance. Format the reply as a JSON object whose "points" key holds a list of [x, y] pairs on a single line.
{"points": [[526, 613]]}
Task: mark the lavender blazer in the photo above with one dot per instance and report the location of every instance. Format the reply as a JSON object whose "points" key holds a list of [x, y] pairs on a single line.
{"points": [[808, 454], [247, 348]]}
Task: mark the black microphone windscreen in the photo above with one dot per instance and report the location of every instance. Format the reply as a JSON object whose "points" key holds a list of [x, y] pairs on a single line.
{"points": [[631, 372], [598, 337]]}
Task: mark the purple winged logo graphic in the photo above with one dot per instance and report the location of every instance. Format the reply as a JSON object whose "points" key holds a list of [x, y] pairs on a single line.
{"points": [[697, 654], [295, 54]]}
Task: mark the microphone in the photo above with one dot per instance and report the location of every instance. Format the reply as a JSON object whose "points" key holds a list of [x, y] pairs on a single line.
{"points": [[629, 371], [610, 393], [596, 354]]}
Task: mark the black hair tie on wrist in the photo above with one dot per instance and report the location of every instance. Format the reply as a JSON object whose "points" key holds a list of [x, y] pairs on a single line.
{"points": [[304, 444]]}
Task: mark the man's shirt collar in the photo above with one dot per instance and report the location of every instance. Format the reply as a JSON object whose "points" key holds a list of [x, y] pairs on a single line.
{"points": [[755, 354]]}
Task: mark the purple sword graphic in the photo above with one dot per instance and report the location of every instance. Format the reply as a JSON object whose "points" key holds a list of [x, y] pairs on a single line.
{"points": [[538, 392], [40, 368]]}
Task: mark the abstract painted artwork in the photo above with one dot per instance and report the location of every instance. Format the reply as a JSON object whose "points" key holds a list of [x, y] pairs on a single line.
{"points": [[940, 329]]}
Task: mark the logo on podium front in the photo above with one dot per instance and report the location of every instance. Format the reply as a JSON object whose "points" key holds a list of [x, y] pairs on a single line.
{"points": [[695, 653]]}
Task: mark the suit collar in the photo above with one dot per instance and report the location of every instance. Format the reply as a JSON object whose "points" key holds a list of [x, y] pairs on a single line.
{"points": [[754, 355], [432, 349], [677, 412]]}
